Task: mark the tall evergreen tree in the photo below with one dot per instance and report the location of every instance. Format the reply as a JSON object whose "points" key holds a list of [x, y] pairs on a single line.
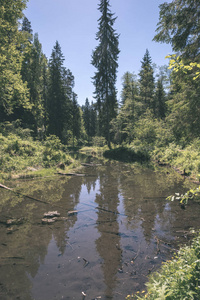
{"points": [[147, 82], [160, 100], [38, 60], [59, 91], [104, 59], [87, 117]]}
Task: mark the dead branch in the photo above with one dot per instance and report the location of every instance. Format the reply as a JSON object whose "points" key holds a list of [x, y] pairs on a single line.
{"points": [[91, 165], [70, 174], [20, 194]]}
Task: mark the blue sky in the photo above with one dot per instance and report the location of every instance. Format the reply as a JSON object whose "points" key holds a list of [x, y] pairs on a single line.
{"points": [[74, 24]]}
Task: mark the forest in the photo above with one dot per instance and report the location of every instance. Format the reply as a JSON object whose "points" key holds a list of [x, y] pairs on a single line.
{"points": [[157, 113], [157, 117]]}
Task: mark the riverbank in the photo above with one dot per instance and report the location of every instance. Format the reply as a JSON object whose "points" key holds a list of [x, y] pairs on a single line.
{"points": [[178, 278], [185, 161], [25, 158]]}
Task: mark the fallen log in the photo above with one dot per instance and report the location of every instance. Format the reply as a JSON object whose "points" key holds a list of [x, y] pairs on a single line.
{"points": [[5, 187], [91, 165], [70, 174], [20, 194]]}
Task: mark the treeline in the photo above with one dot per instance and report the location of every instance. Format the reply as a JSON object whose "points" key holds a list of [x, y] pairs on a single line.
{"points": [[35, 93], [158, 107]]}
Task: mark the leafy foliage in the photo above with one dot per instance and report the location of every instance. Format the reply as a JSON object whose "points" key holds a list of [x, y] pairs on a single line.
{"points": [[192, 194]]}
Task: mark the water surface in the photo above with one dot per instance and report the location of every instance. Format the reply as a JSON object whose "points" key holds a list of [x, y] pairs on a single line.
{"points": [[123, 231]]}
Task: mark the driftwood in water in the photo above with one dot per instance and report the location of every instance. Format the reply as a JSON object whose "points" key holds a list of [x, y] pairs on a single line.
{"points": [[5, 187], [20, 194], [90, 165], [70, 174]]}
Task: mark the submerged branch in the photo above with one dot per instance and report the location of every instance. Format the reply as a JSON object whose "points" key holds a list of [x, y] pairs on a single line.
{"points": [[20, 194]]}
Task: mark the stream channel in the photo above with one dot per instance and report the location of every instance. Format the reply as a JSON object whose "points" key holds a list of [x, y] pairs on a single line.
{"points": [[122, 231]]}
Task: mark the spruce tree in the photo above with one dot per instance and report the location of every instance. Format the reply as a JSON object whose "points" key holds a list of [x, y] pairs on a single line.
{"points": [[104, 59], [160, 100], [147, 82], [59, 94], [87, 117], [76, 119]]}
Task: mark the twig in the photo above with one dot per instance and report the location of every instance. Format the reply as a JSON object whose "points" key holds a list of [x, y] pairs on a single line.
{"points": [[86, 262], [27, 196], [157, 242], [138, 252]]}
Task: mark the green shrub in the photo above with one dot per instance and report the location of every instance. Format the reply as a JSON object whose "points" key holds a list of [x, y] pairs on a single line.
{"points": [[126, 154], [17, 154]]}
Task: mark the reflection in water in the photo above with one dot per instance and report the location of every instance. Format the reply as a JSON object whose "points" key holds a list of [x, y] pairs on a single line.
{"points": [[124, 229]]}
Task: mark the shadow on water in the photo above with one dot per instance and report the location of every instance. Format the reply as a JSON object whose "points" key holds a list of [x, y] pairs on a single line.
{"points": [[124, 230]]}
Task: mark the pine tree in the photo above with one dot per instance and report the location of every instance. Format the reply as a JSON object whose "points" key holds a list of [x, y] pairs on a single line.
{"points": [[93, 120], [160, 100], [87, 117], [76, 119], [60, 86], [26, 27], [129, 87], [104, 59], [147, 82]]}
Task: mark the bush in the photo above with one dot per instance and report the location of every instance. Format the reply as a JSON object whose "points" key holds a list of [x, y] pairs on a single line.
{"points": [[17, 154], [126, 155]]}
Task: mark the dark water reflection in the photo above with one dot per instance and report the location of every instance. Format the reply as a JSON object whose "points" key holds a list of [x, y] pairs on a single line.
{"points": [[124, 229]]}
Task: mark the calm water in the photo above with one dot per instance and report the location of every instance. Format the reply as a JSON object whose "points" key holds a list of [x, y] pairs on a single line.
{"points": [[122, 232]]}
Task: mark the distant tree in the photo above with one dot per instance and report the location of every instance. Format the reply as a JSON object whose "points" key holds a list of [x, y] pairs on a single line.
{"points": [[104, 59], [76, 119], [93, 120], [123, 125], [87, 117], [129, 87], [160, 100], [90, 119], [26, 27], [147, 82]]}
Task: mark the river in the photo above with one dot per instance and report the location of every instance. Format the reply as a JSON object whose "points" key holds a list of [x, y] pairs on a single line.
{"points": [[121, 230]]}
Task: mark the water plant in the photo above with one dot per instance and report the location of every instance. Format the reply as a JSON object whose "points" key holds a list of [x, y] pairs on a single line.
{"points": [[192, 194]]}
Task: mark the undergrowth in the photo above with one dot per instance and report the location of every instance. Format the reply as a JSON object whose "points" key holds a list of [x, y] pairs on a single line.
{"points": [[186, 159], [24, 155]]}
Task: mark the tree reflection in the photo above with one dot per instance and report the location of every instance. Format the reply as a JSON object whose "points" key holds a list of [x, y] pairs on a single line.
{"points": [[24, 247], [108, 244]]}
